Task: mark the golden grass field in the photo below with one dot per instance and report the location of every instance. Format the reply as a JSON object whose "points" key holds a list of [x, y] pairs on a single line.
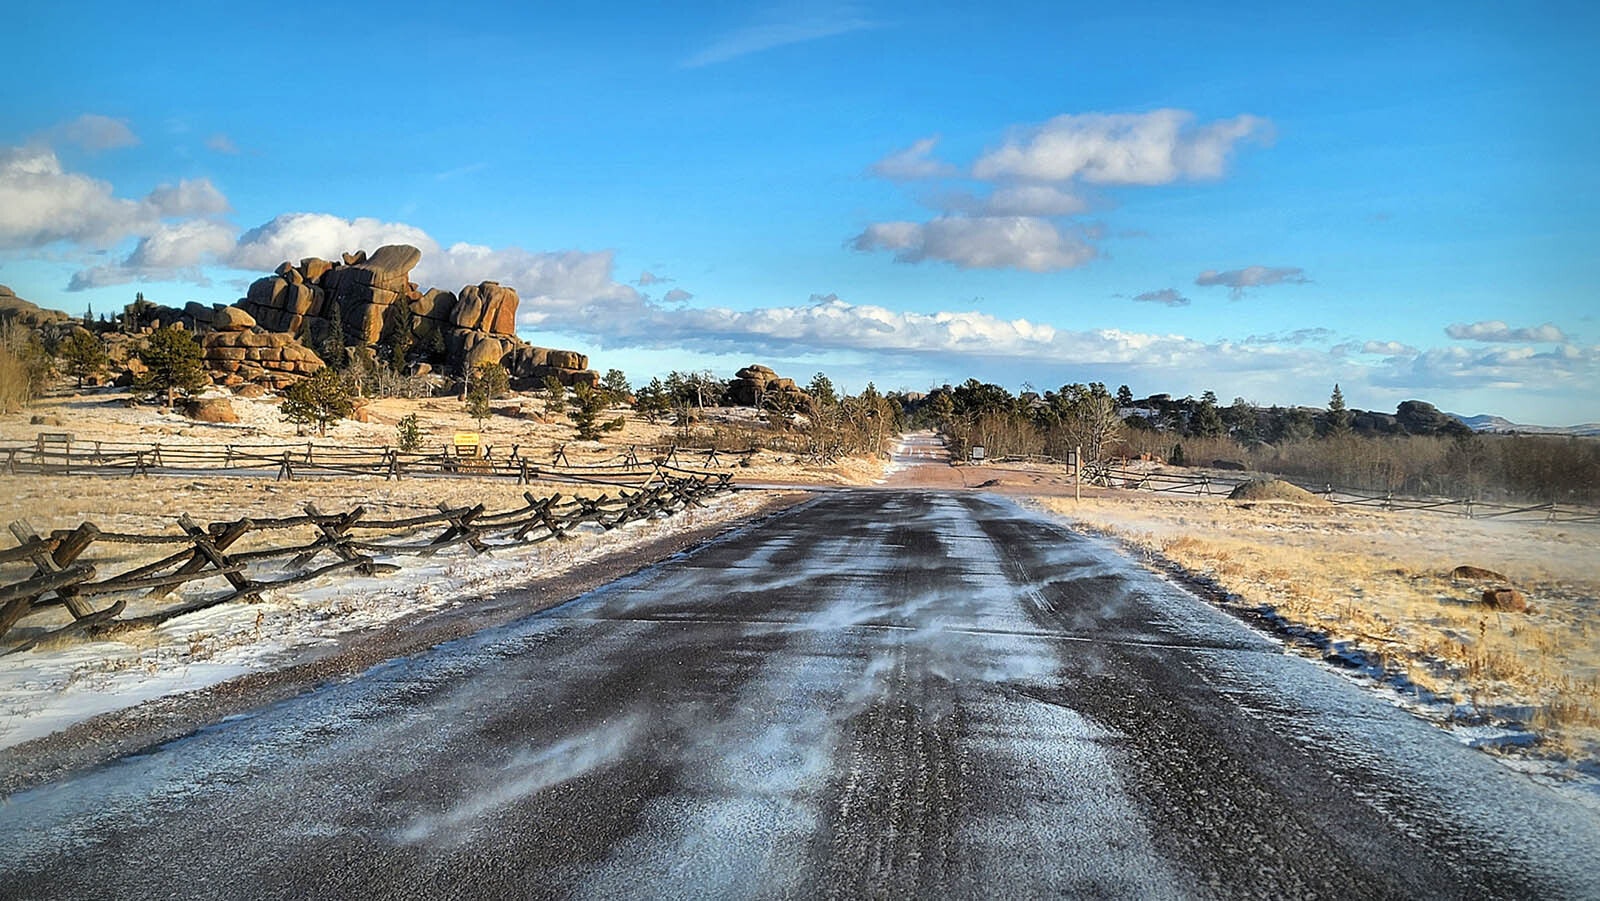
{"points": [[1381, 581]]}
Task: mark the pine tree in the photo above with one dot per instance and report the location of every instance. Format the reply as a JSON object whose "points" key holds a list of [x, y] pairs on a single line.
{"points": [[1339, 417], [587, 405], [174, 364], [84, 354], [323, 399], [616, 385], [1124, 396], [333, 347]]}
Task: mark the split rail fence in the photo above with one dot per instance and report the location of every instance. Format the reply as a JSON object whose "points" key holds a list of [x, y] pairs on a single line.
{"points": [[58, 454], [294, 549], [1115, 476]]}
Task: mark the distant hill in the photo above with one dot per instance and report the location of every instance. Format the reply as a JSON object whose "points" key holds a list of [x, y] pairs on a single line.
{"points": [[1487, 423]]}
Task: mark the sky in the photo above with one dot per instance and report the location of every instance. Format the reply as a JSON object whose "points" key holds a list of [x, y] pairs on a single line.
{"points": [[1261, 200]]}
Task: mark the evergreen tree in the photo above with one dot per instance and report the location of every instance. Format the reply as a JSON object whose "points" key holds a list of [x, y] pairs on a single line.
{"points": [[84, 355], [493, 378], [172, 358], [616, 384], [478, 403], [323, 399], [408, 433], [1124, 396], [333, 350], [1339, 417], [401, 336], [555, 396], [1206, 421], [653, 401], [587, 406]]}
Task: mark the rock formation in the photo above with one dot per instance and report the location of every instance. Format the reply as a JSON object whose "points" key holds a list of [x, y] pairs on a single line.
{"points": [[753, 385], [376, 299], [237, 352]]}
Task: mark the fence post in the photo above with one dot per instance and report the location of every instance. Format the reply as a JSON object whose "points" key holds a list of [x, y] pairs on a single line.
{"points": [[285, 471]]}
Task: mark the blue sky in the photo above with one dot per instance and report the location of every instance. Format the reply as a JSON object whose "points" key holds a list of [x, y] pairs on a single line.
{"points": [[1261, 200]]}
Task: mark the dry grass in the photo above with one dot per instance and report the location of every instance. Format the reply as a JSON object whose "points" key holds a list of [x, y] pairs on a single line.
{"points": [[1381, 582], [107, 416]]}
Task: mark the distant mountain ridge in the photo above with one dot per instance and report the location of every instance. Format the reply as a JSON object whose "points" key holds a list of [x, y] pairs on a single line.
{"points": [[1487, 423]]}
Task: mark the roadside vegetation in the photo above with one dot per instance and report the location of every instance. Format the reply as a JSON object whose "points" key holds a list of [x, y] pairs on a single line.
{"points": [[1378, 587]]}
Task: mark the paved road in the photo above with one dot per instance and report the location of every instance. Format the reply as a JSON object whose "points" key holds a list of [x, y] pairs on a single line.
{"points": [[884, 693]]}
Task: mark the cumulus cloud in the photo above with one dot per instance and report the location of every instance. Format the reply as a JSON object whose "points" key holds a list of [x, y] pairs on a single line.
{"points": [[1152, 148], [648, 278], [1033, 200], [987, 242], [771, 35], [558, 283], [92, 132], [1237, 280], [197, 197], [1495, 330], [293, 236], [1566, 367], [677, 295], [41, 203], [1168, 296], [1388, 349], [221, 143], [1038, 173], [913, 162], [173, 252]]}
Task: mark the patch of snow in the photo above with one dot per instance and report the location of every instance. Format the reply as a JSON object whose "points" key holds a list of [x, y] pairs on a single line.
{"points": [[45, 690]]}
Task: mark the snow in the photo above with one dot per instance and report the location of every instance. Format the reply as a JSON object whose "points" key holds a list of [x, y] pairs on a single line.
{"points": [[46, 690]]}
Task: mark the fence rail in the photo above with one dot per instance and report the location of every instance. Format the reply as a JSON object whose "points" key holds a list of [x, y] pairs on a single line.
{"points": [[638, 464], [1121, 476], [63, 575]]}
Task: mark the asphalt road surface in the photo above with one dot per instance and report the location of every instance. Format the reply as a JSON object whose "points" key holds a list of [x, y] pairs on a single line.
{"points": [[878, 693]]}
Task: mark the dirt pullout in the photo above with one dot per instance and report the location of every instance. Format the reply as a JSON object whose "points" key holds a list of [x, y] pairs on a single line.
{"points": [[112, 735]]}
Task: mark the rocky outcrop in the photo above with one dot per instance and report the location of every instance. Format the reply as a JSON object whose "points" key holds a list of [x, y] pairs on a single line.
{"points": [[754, 385], [273, 359], [14, 309], [375, 300]]}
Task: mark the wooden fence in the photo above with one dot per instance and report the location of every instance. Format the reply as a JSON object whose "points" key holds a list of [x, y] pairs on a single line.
{"points": [[637, 464], [312, 545], [1122, 476]]}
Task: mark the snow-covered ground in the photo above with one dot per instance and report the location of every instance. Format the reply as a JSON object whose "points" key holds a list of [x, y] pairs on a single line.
{"points": [[48, 689]]}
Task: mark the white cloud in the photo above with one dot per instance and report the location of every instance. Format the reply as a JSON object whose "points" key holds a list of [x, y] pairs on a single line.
{"points": [[189, 197], [172, 252], [1495, 330], [1033, 200], [40, 203], [221, 143], [1168, 296], [913, 162], [1237, 280], [93, 132], [294, 236], [771, 35], [648, 278], [989, 242], [1152, 148], [1564, 368], [1388, 349], [552, 284], [677, 295]]}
